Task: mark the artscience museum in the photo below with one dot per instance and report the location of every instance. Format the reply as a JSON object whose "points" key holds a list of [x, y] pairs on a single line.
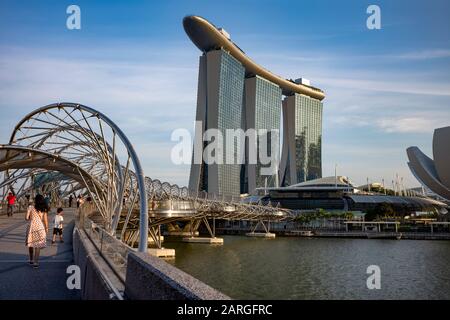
{"points": [[433, 174]]}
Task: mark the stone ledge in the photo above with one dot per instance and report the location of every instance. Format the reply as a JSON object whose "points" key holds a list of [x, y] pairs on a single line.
{"points": [[150, 278], [96, 275]]}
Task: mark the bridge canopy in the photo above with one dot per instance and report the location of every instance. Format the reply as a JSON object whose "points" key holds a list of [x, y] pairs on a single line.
{"points": [[17, 157]]}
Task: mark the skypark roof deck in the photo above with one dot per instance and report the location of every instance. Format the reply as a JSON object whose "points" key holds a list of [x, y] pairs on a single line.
{"points": [[208, 37]]}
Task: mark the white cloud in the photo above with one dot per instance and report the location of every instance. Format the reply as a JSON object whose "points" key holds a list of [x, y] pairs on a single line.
{"points": [[148, 98], [411, 124], [353, 120], [389, 83], [112, 84], [156, 93], [422, 55], [325, 57]]}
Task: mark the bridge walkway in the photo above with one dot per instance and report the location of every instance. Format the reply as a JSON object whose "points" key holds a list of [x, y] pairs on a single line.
{"points": [[18, 280]]}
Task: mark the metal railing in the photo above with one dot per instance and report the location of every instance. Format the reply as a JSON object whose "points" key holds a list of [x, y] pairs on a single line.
{"points": [[112, 250]]}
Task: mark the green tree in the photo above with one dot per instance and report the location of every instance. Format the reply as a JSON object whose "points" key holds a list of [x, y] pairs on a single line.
{"points": [[380, 210]]}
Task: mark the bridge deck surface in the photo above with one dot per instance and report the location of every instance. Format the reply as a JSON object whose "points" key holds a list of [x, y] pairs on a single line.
{"points": [[18, 280]]}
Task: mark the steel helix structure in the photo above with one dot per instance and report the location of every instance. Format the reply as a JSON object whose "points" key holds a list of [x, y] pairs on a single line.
{"points": [[96, 148], [68, 149]]}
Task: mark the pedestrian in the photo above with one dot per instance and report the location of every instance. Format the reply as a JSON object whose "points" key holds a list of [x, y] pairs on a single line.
{"points": [[47, 201], [58, 225], [70, 201], [11, 199], [79, 201], [36, 236]]}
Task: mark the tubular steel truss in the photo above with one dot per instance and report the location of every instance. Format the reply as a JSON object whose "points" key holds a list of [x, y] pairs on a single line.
{"points": [[67, 149], [94, 144]]}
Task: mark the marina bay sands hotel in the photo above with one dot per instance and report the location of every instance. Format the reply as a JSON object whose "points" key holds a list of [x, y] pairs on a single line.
{"points": [[236, 93]]}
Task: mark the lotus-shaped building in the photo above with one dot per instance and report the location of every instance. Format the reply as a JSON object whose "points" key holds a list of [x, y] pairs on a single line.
{"points": [[433, 174]]}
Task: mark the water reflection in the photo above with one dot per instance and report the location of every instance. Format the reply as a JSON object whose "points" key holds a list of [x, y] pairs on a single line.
{"points": [[300, 268]]}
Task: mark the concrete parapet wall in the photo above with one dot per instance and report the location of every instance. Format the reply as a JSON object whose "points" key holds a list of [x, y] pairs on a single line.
{"points": [[147, 277], [150, 278], [94, 282]]}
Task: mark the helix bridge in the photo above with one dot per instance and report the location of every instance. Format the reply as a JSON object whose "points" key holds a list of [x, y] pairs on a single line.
{"points": [[66, 149]]}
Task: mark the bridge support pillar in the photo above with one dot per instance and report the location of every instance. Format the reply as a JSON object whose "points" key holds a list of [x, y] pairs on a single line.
{"points": [[266, 234]]}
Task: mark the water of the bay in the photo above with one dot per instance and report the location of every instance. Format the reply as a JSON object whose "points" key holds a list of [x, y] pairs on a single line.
{"points": [[314, 268]]}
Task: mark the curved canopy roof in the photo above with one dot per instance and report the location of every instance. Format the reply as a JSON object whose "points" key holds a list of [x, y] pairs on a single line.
{"points": [[207, 37], [16, 157], [331, 181], [414, 201]]}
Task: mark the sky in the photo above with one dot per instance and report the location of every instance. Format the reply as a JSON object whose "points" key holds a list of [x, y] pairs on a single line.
{"points": [[386, 89]]}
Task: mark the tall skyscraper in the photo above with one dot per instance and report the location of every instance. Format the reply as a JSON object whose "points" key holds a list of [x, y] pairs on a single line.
{"points": [[219, 106], [236, 93], [302, 139], [262, 113]]}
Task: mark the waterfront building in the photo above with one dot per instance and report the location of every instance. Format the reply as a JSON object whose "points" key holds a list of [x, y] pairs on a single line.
{"points": [[433, 174], [302, 139], [339, 194], [262, 112], [235, 92], [219, 106]]}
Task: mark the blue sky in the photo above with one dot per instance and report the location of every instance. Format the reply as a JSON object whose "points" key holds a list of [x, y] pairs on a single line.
{"points": [[386, 89]]}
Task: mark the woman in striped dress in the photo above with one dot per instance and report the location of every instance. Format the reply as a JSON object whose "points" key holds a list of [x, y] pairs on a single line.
{"points": [[36, 237]]}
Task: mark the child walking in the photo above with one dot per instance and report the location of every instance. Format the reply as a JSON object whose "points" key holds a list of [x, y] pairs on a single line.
{"points": [[58, 226]]}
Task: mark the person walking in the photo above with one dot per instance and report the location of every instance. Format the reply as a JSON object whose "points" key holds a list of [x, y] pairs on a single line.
{"points": [[80, 201], [58, 225], [47, 201], [70, 201], [11, 199], [36, 236]]}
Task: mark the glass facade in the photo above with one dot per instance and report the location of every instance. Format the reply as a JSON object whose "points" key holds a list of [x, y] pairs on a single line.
{"points": [[267, 116], [308, 138], [229, 112], [229, 100]]}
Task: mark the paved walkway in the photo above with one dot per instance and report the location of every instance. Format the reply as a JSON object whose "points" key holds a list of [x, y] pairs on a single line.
{"points": [[18, 280]]}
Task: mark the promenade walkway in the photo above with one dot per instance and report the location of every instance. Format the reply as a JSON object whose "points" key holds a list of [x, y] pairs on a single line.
{"points": [[18, 280]]}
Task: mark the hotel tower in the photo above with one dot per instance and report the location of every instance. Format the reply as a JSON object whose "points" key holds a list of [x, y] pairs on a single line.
{"points": [[236, 93]]}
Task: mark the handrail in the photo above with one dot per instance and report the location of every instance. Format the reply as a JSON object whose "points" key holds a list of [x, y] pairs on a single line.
{"points": [[93, 231], [116, 292]]}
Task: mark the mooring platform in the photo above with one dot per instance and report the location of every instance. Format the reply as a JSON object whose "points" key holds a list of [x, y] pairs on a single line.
{"points": [[162, 253], [203, 240], [181, 234], [267, 235]]}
